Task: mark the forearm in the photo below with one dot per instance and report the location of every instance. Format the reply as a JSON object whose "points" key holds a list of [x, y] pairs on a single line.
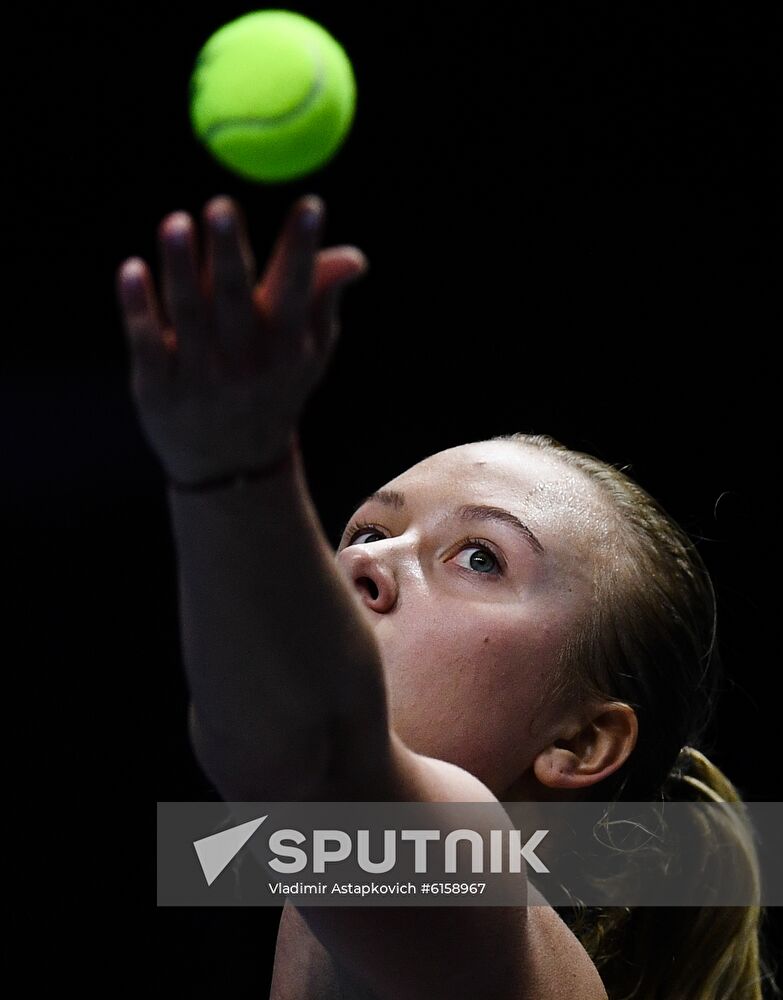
{"points": [[277, 655]]}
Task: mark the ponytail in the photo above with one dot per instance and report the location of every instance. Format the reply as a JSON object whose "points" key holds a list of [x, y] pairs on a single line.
{"points": [[686, 953]]}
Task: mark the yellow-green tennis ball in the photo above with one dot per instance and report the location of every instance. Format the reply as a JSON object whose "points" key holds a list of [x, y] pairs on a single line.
{"points": [[272, 95]]}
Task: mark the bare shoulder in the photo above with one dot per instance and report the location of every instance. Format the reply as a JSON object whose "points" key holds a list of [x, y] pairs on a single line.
{"points": [[412, 953], [558, 964], [557, 956]]}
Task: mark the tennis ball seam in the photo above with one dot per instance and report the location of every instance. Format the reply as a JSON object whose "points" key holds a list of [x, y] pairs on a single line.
{"points": [[300, 109]]}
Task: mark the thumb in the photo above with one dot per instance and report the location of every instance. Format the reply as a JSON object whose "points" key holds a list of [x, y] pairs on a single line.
{"points": [[326, 301]]}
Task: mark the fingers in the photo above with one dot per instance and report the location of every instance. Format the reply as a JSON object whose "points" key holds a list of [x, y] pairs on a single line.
{"points": [[219, 307], [182, 292], [143, 325], [286, 285], [231, 276]]}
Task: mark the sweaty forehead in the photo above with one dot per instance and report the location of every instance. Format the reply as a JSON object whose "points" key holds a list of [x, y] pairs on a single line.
{"points": [[493, 468], [540, 488]]}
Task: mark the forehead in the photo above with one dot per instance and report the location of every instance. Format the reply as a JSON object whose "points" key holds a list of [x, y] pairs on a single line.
{"points": [[538, 487], [495, 470]]}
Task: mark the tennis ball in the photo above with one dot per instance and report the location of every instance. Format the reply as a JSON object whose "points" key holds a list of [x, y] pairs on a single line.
{"points": [[272, 95]]}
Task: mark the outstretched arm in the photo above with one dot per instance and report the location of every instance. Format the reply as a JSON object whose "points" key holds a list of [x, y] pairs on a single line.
{"points": [[284, 676]]}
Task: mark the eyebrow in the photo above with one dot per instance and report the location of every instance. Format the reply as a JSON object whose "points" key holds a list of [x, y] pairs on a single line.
{"points": [[468, 512]]}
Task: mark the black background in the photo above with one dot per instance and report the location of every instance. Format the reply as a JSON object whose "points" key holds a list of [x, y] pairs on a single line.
{"points": [[569, 215]]}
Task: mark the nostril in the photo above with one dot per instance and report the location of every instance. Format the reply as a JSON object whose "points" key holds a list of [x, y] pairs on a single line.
{"points": [[365, 581]]}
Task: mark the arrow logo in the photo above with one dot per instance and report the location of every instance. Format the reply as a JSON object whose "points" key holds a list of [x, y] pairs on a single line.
{"points": [[219, 849]]}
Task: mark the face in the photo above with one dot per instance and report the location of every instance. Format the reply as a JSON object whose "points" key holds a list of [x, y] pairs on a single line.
{"points": [[470, 606]]}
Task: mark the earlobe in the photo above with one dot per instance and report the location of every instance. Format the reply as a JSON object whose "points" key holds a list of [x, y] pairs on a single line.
{"points": [[592, 753]]}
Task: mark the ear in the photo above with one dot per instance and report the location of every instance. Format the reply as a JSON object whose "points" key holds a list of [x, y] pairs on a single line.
{"points": [[591, 750]]}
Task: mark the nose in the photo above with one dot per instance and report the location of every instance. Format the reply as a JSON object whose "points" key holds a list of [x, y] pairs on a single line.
{"points": [[372, 580]]}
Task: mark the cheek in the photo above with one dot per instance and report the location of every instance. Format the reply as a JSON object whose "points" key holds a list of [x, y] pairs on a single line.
{"points": [[463, 687], [499, 680]]}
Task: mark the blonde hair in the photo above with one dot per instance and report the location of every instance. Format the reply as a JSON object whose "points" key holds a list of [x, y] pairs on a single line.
{"points": [[649, 640]]}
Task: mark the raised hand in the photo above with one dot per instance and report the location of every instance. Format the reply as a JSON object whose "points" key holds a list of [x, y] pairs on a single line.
{"points": [[221, 378]]}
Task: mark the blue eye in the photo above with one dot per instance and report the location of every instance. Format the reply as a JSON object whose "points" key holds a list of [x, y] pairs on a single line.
{"points": [[483, 559]]}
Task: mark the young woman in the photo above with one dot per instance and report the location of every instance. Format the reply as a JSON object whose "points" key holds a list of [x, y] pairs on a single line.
{"points": [[506, 620]]}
